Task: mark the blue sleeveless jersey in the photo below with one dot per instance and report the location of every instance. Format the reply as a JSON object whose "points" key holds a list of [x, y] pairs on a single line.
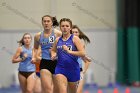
{"points": [[26, 65], [66, 60], [46, 45], [80, 61]]}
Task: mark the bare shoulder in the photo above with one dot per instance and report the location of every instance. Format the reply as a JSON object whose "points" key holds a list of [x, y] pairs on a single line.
{"points": [[19, 49], [57, 32], [57, 39], [76, 39], [37, 36]]}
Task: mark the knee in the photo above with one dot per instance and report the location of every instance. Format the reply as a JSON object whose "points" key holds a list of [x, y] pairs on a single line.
{"points": [[29, 90]]}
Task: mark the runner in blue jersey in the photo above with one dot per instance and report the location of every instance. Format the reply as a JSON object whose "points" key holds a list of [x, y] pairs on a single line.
{"points": [[68, 48], [26, 69], [77, 32], [45, 40]]}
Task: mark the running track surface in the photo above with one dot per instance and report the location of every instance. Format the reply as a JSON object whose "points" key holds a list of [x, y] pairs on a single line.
{"points": [[88, 89]]}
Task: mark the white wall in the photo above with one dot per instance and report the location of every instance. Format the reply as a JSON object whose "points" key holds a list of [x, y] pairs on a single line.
{"points": [[102, 50], [26, 14], [97, 18]]}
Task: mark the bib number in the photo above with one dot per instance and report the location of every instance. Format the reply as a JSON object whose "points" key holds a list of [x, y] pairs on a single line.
{"points": [[51, 39]]}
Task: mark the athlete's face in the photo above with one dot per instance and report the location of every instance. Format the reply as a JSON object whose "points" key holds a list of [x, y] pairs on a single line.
{"points": [[75, 32], [65, 27], [47, 23], [27, 39]]}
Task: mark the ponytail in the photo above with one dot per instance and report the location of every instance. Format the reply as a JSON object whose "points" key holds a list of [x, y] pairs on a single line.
{"points": [[81, 34], [54, 20]]}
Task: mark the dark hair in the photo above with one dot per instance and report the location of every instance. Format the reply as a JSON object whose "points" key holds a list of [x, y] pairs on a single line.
{"points": [[54, 20], [21, 42], [81, 34], [68, 20]]}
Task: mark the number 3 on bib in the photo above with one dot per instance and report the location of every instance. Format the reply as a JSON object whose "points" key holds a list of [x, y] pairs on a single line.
{"points": [[51, 39]]}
